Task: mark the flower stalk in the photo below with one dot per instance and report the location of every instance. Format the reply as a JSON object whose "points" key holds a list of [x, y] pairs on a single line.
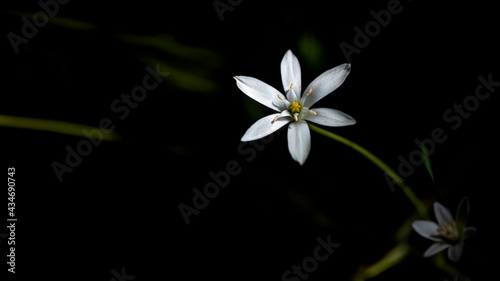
{"points": [[419, 206]]}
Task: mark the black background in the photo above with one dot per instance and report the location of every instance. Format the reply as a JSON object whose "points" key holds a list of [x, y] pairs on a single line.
{"points": [[119, 207]]}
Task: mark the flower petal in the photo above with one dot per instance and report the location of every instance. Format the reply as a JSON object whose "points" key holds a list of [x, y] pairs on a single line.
{"points": [[281, 104], [468, 231], [427, 229], [264, 127], [330, 117], [291, 95], [290, 72], [326, 83], [304, 112], [435, 248], [442, 214], [299, 141], [257, 90], [285, 113], [462, 214], [455, 252]]}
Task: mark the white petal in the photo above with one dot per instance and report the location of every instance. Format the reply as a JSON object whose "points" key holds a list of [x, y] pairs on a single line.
{"points": [[290, 72], [281, 104], [442, 214], [286, 113], [291, 95], [455, 252], [326, 83], [435, 248], [468, 231], [264, 127], [427, 229], [330, 117], [304, 112], [462, 214], [257, 90], [299, 141]]}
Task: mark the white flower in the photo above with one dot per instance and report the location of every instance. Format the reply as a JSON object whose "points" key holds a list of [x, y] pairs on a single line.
{"points": [[295, 108], [447, 233]]}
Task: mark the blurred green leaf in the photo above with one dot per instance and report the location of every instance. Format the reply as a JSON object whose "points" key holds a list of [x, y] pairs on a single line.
{"points": [[60, 127], [311, 50], [390, 259], [184, 79], [60, 21], [168, 45], [427, 161], [254, 109], [72, 23]]}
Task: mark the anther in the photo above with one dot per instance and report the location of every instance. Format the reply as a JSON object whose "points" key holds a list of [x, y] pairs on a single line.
{"points": [[296, 118], [308, 93], [448, 227], [291, 86], [280, 97], [448, 230], [275, 118], [314, 113]]}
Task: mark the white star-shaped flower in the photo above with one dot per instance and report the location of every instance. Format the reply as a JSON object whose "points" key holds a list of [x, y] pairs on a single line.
{"points": [[447, 233], [295, 108]]}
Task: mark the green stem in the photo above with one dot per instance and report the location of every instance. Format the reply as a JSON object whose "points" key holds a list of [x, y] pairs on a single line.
{"points": [[419, 206], [440, 262], [55, 126], [392, 258]]}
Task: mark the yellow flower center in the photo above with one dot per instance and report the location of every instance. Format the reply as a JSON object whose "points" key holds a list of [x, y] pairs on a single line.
{"points": [[448, 231], [295, 107]]}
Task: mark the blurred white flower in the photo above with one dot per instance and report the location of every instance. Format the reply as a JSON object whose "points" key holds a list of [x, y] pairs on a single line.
{"points": [[295, 108], [447, 233]]}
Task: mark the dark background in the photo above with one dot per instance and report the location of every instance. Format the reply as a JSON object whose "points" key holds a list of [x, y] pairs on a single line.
{"points": [[119, 207]]}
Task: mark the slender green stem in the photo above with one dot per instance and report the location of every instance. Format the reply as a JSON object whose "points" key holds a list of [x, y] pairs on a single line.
{"points": [[55, 126], [398, 253], [440, 262], [419, 206], [392, 258]]}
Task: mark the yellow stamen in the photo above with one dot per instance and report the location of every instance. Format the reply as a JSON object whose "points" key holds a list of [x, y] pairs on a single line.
{"points": [[448, 230], [280, 97], [275, 118], [295, 107], [442, 232], [446, 226], [312, 112], [296, 118], [291, 86]]}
